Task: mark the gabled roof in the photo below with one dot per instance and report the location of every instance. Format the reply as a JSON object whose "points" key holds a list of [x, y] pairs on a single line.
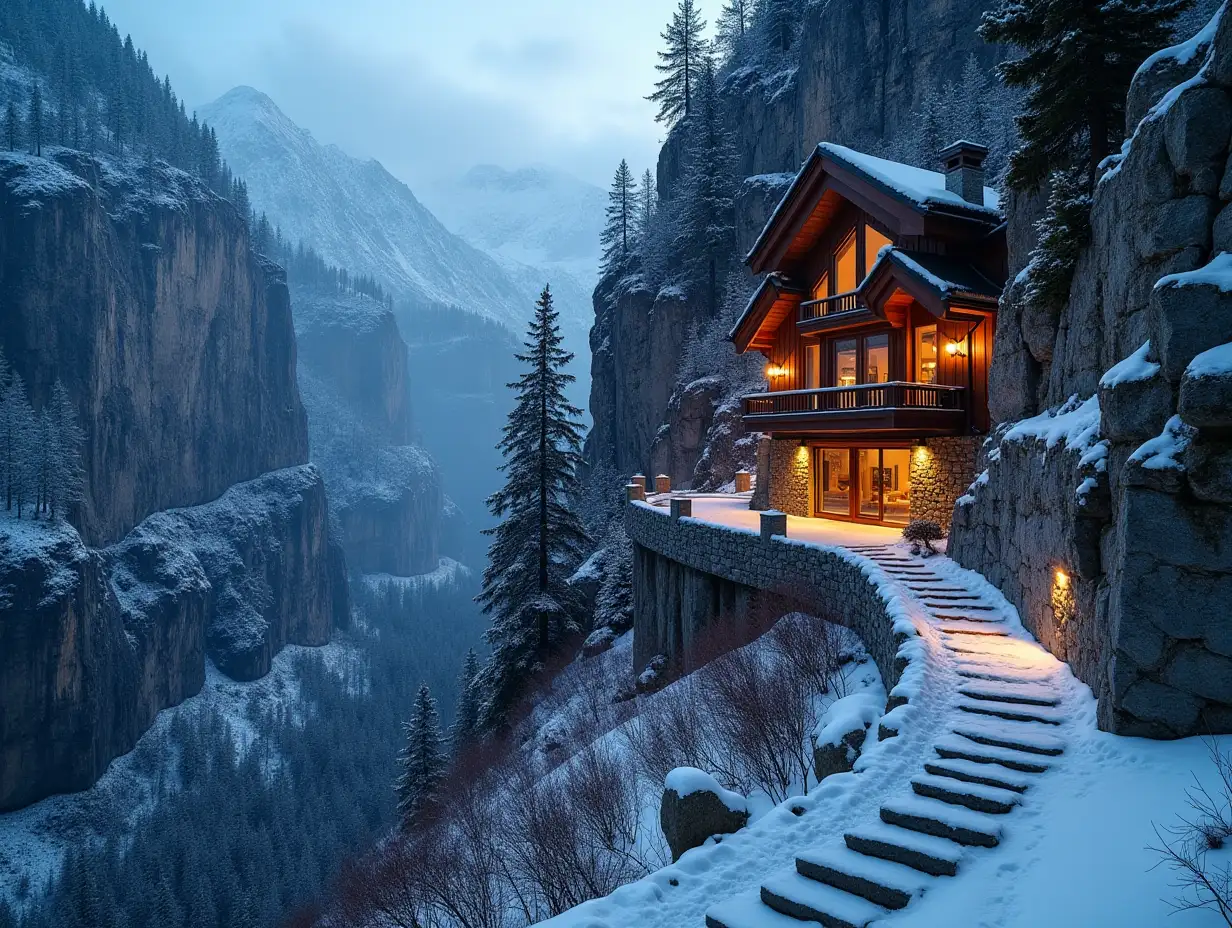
{"points": [[769, 306], [904, 197], [940, 284]]}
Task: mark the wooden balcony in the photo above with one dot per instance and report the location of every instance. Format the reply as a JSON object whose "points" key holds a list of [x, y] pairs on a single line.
{"points": [[833, 312], [895, 409]]}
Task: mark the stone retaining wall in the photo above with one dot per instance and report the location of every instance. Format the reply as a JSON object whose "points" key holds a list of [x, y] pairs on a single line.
{"points": [[688, 572], [941, 471]]}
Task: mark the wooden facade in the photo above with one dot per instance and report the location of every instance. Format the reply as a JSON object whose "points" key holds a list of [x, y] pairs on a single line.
{"points": [[878, 317]]}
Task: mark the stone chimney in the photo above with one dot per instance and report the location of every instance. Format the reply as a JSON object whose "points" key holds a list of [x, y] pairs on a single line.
{"points": [[963, 163]]}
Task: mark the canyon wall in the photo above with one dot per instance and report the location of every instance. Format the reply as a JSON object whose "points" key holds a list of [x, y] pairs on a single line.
{"points": [[138, 289], [1111, 529]]}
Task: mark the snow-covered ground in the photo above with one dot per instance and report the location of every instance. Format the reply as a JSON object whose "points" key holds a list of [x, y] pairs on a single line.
{"points": [[34, 840], [1075, 853]]}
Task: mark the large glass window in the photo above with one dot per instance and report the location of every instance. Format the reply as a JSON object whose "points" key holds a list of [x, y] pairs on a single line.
{"points": [[869, 463], [874, 241], [845, 363], [926, 354], [896, 485], [845, 266], [835, 486], [877, 358]]}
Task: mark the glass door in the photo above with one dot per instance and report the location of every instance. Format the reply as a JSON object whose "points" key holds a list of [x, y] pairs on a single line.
{"points": [[868, 467], [832, 493]]}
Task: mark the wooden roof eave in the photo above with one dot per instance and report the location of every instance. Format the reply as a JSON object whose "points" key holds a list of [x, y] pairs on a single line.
{"points": [[772, 301]]}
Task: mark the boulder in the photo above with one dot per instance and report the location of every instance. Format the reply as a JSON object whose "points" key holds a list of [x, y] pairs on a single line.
{"points": [[842, 732], [1196, 131], [1201, 672], [1135, 401], [1190, 313], [1209, 465], [1179, 224], [1161, 705], [695, 807], [1206, 388], [1159, 74], [598, 641], [1221, 234]]}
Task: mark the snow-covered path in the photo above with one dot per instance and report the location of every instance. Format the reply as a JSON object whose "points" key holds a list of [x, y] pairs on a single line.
{"points": [[945, 823]]}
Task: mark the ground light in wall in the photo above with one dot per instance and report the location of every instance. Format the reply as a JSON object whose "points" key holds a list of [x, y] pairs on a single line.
{"points": [[1062, 597]]}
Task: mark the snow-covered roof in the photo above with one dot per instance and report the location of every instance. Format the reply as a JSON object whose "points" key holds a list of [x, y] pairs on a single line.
{"points": [[922, 187], [949, 277]]}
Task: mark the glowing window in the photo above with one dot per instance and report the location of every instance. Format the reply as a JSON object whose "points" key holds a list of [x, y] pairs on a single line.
{"points": [[845, 266], [874, 241], [822, 290], [926, 354], [845, 362], [877, 359]]}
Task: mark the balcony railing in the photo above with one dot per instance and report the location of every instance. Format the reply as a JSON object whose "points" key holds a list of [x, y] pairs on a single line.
{"points": [[893, 395], [816, 309]]}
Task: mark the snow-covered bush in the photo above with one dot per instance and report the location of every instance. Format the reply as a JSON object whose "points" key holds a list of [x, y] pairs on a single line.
{"points": [[923, 532]]}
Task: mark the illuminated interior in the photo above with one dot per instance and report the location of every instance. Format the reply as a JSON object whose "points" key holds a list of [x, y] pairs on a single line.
{"points": [[874, 241], [845, 361], [877, 358], [845, 279], [822, 290], [926, 354], [872, 484]]}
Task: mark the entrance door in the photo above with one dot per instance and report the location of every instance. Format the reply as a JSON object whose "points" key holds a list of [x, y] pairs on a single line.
{"points": [[869, 481], [864, 484], [832, 467]]}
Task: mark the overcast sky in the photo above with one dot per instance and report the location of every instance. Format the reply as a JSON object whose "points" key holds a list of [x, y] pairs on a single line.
{"points": [[429, 87]]}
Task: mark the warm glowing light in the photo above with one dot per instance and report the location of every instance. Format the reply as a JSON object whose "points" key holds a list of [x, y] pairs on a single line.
{"points": [[955, 349], [775, 370], [1062, 580]]}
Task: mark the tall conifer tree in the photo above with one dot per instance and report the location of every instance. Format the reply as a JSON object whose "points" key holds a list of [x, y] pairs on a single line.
{"points": [[34, 123], [732, 27], [540, 540], [422, 760], [465, 728], [621, 223], [1079, 58], [678, 63]]}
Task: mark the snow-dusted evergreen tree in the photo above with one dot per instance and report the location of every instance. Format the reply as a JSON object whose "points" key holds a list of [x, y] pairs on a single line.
{"points": [[465, 728], [678, 63], [732, 28], [422, 762], [34, 121], [17, 445], [1078, 59], [12, 127], [621, 228], [781, 19], [1062, 232], [614, 602], [540, 540], [648, 197], [709, 216]]}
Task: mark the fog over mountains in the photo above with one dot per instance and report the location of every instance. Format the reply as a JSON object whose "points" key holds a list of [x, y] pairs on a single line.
{"points": [[517, 230]]}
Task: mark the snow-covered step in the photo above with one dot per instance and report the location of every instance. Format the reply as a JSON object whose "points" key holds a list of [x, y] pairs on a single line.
{"points": [[961, 608], [926, 853], [943, 820], [952, 595], [1026, 692], [1019, 738], [953, 747], [986, 617], [972, 772], [879, 881], [958, 627], [1013, 712], [982, 670], [991, 799], [805, 899], [748, 911]]}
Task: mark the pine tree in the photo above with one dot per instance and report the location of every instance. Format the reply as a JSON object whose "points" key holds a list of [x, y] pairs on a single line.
{"points": [[649, 198], [16, 444], [1062, 233], [12, 127], [540, 540], [782, 20], [465, 728], [1079, 58], [709, 185], [34, 123], [732, 27], [678, 63], [614, 602], [422, 761], [621, 224]]}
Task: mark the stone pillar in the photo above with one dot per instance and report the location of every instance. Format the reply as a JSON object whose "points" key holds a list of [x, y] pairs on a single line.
{"points": [[635, 493], [744, 481], [639, 479], [773, 523], [789, 477], [941, 471], [681, 507], [663, 484], [761, 495]]}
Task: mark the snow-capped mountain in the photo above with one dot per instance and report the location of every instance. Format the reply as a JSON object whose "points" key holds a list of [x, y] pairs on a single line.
{"points": [[357, 214], [536, 216]]}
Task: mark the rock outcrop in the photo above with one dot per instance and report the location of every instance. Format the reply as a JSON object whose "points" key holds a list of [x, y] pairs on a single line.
{"points": [[695, 808], [174, 340], [1117, 547], [95, 643]]}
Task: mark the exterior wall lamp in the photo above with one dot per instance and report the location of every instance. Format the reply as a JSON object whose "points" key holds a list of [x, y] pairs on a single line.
{"points": [[956, 349], [775, 370]]}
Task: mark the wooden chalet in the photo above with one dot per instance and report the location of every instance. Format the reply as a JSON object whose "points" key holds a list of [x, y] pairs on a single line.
{"points": [[876, 317]]}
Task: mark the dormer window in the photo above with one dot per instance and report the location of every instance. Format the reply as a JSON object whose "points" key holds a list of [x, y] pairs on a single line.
{"points": [[845, 271]]}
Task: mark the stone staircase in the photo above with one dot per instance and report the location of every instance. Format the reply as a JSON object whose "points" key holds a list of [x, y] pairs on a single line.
{"points": [[1004, 730]]}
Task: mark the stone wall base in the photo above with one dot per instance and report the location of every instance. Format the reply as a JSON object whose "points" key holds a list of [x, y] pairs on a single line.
{"points": [[941, 471], [789, 477]]}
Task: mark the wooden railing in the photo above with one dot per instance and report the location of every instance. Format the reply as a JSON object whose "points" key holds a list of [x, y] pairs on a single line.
{"points": [[842, 303], [893, 395]]}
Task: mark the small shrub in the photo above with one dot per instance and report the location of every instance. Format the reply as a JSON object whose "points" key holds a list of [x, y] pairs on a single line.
{"points": [[923, 532]]}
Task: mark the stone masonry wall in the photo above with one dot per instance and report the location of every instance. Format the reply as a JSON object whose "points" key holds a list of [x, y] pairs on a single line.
{"points": [[688, 572], [789, 478], [941, 471]]}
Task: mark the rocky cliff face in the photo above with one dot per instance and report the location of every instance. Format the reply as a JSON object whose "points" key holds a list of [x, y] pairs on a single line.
{"points": [[141, 293], [94, 643], [1140, 512], [385, 493]]}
